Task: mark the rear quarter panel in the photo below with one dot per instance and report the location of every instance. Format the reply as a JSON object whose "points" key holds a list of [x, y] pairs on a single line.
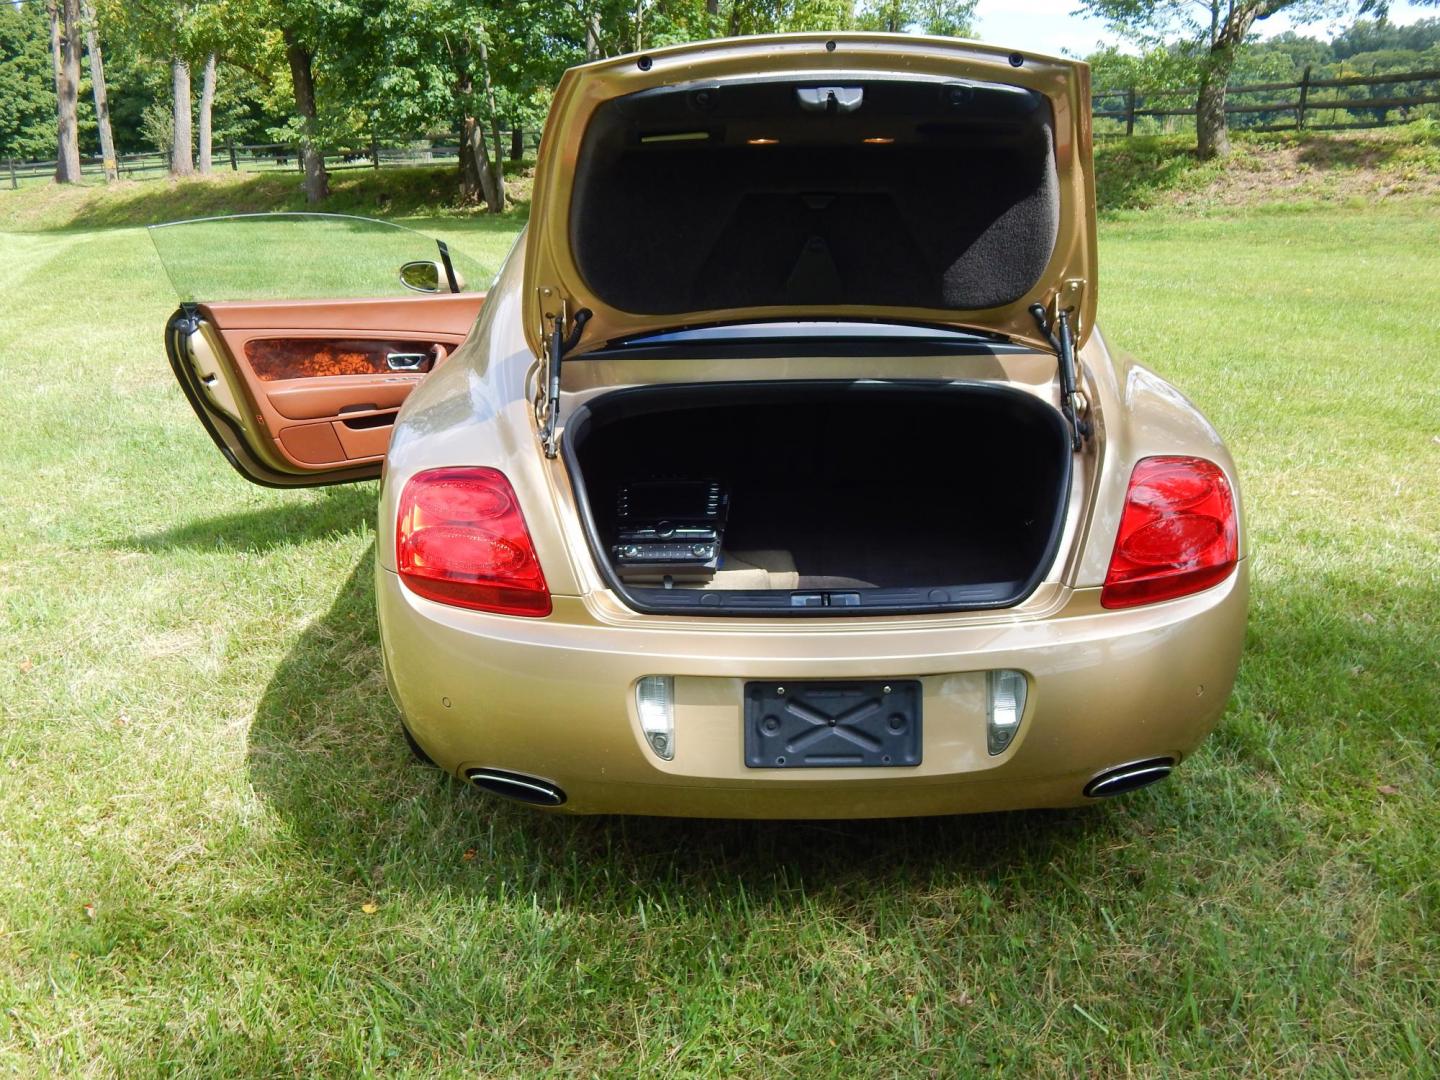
{"points": [[1138, 415], [477, 410]]}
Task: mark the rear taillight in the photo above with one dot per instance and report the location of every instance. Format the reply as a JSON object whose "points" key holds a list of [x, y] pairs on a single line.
{"points": [[462, 540], [1177, 535]]}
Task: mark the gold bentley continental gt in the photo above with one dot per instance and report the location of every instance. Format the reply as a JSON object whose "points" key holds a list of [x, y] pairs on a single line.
{"points": [[781, 472]]}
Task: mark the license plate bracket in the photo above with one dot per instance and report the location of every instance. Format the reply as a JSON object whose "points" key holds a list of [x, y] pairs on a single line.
{"points": [[833, 724]]}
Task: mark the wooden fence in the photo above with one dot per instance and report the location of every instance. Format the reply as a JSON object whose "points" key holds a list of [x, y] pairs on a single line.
{"points": [[1126, 105], [275, 157]]}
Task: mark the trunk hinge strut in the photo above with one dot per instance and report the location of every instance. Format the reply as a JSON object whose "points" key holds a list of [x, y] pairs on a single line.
{"points": [[1061, 337], [557, 342]]}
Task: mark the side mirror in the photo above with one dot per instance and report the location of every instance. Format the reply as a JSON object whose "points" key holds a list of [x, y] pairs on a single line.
{"points": [[422, 275]]}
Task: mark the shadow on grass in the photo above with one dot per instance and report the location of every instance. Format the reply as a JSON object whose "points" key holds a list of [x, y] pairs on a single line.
{"points": [[333, 511], [391, 193], [326, 753], [1320, 152]]}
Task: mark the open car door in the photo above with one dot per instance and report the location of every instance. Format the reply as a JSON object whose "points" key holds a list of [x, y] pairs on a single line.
{"points": [[299, 336]]}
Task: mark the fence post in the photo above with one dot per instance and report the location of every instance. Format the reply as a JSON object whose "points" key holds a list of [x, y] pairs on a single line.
{"points": [[374, 148], [14, 180], [1130, 111], [517, 143], [300, 157], [234, 163], [1304, 95]]}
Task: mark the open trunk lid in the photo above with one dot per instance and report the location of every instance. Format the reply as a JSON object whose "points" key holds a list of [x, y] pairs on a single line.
{"points": [[810, 176]]}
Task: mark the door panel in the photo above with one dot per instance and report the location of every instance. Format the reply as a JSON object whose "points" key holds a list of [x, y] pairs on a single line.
{"points": [[306, 392], [312, 399], [299, 335]]}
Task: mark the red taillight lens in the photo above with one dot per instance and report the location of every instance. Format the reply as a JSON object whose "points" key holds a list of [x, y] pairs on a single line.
{"points": [[462, 540], [1177, 535]]}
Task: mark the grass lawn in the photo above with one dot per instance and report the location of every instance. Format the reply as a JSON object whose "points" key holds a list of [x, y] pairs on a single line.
{"points": [[217, 858]]}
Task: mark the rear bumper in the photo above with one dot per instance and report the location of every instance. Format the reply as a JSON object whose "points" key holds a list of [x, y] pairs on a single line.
{"points": [[554, 698]]}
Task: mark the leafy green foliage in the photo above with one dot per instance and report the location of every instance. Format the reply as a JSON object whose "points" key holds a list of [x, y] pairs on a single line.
{"points": [[157, 124], [396, 70], [1371, 35], [950, 18], [27, 93], [1156, 70], [1165, 76]]}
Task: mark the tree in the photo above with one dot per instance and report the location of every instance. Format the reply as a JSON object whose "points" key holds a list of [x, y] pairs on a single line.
{"points": [[65, 52], [197, 35], [481, 166], [163, 29], [302, 74], [946, 18], [1215, 31], [182, 161], [1366, 35], [245, 37], [207, 108], [410, 66], [27, 91], [780, 16], [98, 90]]}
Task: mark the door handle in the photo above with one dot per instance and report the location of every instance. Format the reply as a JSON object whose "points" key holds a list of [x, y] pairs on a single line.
{"points": [[405, 361]]}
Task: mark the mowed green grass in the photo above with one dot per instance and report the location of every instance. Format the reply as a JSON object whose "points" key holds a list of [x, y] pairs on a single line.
{"points": [[217, 858]]}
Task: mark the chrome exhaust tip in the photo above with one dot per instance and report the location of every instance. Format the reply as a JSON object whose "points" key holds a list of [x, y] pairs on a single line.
{"points": [[1130, 777], [517, 786]]}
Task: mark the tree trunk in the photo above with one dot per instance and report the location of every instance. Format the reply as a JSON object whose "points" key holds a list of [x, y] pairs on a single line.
{"points": [[102, 99], [494, 164], [65, 53], [182, 161], [207, 107], [476, 178], [465, 154], [317, 180], [592, 36], [1212, 133], [492, 195]]}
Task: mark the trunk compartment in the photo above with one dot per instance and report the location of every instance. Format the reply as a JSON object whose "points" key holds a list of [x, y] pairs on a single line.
{"points": [[844, 497]]}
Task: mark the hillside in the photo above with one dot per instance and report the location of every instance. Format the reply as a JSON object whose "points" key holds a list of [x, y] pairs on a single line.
{"points": [[1138, 173], [1293, 168]]}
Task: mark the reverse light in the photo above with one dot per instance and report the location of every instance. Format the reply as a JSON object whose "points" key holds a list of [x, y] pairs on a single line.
{"points": [[1005, 706], [655, 702], [461, 540], [1178, 533]]}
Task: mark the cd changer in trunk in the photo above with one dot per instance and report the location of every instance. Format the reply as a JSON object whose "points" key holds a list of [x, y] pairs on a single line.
{"points": [[842, 497]]}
